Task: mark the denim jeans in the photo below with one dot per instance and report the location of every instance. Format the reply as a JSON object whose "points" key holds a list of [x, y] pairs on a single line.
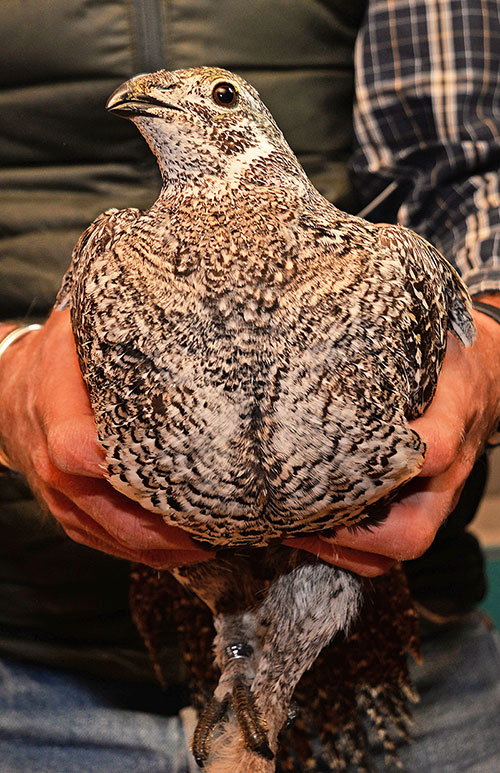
{"points": [[457, 721], [53, 721], [57, 722]]}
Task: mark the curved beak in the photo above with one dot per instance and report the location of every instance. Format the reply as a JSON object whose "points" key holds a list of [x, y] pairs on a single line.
{"points": [[132, 98]]}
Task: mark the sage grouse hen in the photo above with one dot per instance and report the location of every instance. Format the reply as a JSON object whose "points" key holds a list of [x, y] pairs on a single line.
{"points": [[253, 356]]}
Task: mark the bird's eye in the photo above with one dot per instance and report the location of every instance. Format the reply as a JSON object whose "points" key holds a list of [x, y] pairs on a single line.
{"points": [[225, 94]]}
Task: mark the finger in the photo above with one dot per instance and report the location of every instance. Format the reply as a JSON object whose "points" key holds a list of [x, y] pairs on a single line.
{"points": [[80, 528], [109, 515], [72, 446], [158, 559], [365, 564], [443, 425], [443, 434], [413, 520]]}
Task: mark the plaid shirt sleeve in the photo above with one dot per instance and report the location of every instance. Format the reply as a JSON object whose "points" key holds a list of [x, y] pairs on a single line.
{"points": [[427, 123]]}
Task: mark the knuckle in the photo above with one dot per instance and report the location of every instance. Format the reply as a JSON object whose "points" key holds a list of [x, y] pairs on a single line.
{"points": [[59, 448], [371, 571], [445, 448], [444, 441], [419, 539], [77, 535], [423, 543], [157, 563], [44, 468]]}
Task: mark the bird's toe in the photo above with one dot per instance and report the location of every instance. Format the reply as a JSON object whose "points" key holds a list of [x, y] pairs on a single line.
{"points": [[212, 714], [251, 725]]}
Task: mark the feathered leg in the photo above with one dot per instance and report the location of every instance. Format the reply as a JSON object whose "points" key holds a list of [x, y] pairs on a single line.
{"points": [[301, 613], [237, 653], [336, 696], [230, 589]]}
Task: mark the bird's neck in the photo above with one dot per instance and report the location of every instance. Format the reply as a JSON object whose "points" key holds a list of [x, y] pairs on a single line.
{"points": [[216, 176], [235, 191]]}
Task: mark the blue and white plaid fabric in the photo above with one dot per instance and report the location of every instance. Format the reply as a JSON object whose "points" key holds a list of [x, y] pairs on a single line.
{"points": [[427, 122]]}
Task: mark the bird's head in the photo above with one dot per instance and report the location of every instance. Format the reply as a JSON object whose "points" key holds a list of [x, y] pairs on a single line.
{"points": [[205, 125]]}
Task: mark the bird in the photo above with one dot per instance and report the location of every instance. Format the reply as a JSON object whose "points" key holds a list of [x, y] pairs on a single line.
{"points": [[254, 356]]}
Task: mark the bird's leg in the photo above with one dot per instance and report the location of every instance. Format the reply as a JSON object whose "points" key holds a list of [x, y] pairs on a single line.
{"points": [[302, 612], [237, 650], [230, 589], [262, 650]]}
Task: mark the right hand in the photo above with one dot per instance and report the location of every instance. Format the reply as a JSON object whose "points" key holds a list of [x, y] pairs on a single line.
{"points": [[48, 433], [455, 427]]}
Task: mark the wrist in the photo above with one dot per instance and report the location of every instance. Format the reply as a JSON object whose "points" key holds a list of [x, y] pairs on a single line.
{"points": [[13, 335], [487, 308], [6, 328], [488, 304], [9, 336]]}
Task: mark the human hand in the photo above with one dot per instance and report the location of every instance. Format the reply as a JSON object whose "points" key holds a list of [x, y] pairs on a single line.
{"points": [[48, 434], [455, 428]]}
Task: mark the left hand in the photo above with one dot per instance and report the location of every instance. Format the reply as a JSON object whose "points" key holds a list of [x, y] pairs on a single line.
{"points": [[48, 434], [455, 428]]}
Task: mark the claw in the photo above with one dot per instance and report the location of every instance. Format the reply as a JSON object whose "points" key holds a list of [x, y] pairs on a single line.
{"points": [[233, 691], [252, 728], [211, 715], [249, 721]]}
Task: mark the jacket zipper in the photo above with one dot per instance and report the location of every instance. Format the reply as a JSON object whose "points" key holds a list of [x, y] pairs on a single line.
{"points": [[150, 53]]}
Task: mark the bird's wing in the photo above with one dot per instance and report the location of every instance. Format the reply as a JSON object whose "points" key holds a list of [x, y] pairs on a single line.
{"points": [[98, 231], [438, 302], [428, 271]]}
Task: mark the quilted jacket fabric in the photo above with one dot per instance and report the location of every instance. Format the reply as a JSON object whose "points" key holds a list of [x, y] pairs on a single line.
{"points": [[64, 160]]}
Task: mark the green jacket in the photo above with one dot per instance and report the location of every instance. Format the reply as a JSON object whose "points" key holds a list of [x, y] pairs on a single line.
{"points": [[63, 160]]}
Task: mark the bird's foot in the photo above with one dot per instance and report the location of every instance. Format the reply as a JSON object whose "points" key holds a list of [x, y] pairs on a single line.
{"points": [[237, 697], [213, 713], [252, 727]]}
